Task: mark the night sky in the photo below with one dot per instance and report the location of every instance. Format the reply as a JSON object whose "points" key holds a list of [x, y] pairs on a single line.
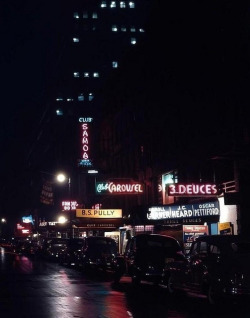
{"points": [[29, 51]]}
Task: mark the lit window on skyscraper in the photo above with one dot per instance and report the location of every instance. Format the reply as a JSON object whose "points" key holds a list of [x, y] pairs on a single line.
{"points": [[86, 74], [76, 74], [112, 4], [103, 4], [59, 112], [75, 40], [95, 74], [114, 28], [122, 4], [133, 41], [76, 15], [81, 98], [114, 64], [94, 15], [131, 4]]}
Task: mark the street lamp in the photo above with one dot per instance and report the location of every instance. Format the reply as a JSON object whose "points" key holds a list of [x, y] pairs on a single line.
{"points": [[62, 178]]}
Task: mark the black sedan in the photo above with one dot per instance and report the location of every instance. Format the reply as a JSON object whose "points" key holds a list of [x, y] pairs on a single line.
{"points": [[217, 266], [68, 255]]}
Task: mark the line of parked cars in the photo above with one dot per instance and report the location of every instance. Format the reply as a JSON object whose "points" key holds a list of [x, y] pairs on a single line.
{"points": [[88, 253], [217, 266]]}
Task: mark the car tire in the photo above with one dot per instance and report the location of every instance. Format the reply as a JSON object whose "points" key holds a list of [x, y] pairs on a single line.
{"points": [[170, 285], [211, 295], [136, 280], [117, 277]]}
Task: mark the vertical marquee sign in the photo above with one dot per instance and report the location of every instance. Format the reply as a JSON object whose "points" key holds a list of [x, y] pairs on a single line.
{"points": [[85, 136]]}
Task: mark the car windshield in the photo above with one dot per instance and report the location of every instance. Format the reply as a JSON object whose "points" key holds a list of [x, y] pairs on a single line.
{"points": [[158, 242], [103, 245]]}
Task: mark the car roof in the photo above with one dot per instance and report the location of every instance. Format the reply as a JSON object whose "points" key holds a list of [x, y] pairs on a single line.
{"points": [[220, 239], [152, 236], [107, 238]]}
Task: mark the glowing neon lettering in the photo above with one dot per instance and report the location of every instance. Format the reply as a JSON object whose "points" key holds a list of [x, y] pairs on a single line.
{"points": [[192, 189], [124, 187]]}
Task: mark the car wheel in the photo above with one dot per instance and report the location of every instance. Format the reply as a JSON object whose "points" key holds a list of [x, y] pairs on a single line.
{"points": [[136, 280], [117, 277], [170, 285], [211, 295]]}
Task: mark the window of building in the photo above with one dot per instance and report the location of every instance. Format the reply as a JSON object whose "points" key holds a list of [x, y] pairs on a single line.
{"points": [[59, 99], [113, 4], [131, 4], [91, 97], [76, 15], [85, 15], [114, 64], [94, 15], [95, 74], [76, 74], [133, 41], [75, 40], [114, 28], [103, 4], [132, 29], [141, 30], [123, 29], [86, 74], [59, 112], [122, 4], [81, 98], [70, 99]]}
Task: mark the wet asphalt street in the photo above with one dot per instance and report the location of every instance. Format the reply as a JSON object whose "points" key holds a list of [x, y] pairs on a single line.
{"points": [[33, 288]]}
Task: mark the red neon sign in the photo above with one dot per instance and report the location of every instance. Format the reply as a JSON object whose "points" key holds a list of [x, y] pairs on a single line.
{"points": [[192, 189]]}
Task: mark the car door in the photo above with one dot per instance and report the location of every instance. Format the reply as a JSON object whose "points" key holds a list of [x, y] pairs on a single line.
{"points": [[129, 255]]}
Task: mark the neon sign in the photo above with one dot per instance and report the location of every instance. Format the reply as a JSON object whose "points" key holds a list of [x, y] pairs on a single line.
{"points": [[85, 153], [208, 209], [66, 205], [119, 188], [199, 189]]}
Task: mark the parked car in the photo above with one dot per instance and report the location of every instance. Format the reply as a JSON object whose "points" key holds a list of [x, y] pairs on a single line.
{"points": [[217, 266], [145, 257], [68, 255], [25, 247], [6, 243], [52, 247], [97, 253]]}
